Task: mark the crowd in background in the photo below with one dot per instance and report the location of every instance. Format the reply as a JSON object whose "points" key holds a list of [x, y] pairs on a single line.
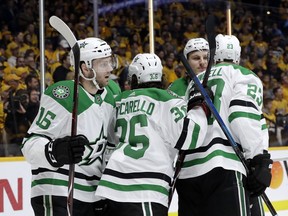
{"points": [[261, 28]]}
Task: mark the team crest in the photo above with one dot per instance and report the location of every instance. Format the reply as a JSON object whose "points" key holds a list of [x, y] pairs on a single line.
{"points": [[61, 92], [82, 45]]}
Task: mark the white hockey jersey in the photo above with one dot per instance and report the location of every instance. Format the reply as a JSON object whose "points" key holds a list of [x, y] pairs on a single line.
{"points": [[149, 124], [54, 119], [238, 97]]}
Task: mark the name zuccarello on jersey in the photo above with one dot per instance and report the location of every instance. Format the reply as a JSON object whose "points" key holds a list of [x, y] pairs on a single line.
{"points": [[135, 106]]}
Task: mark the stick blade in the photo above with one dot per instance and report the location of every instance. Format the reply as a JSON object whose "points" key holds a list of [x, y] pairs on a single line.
{"points": [[63, 29]]}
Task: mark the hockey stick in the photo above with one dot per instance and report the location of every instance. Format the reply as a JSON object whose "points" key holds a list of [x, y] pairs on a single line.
{"points": [[223, 127], [66, 32], [209, 27]]}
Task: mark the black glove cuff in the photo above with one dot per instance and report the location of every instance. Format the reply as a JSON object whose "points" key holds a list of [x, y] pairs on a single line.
{"points": [[49, 155]]}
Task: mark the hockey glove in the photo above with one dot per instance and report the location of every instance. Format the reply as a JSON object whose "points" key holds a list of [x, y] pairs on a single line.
{"points": [[66, 150], [196, 99], [260, 176]]}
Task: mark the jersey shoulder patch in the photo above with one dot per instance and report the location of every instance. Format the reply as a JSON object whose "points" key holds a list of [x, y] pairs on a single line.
{"points": [[63, 92]]}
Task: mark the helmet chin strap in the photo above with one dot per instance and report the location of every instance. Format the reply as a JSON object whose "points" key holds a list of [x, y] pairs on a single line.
{"points": [[93, 79]]}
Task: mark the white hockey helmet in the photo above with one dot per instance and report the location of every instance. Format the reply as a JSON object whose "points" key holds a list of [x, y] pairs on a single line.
{"points": [[227, 48], [93, 48], [195, 44], [147, 67]]}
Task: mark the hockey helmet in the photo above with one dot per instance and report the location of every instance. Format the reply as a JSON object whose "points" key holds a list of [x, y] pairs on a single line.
{"points": [[147, 67], [195, 44], [227, 48], [92, 48]]}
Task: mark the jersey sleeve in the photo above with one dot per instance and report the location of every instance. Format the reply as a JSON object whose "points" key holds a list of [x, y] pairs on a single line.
{"points": [[51, 121], [187, 130], [245, 113]]}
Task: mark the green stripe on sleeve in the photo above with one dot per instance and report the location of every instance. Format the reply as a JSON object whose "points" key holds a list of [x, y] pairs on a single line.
{"points": [[235, 115]]}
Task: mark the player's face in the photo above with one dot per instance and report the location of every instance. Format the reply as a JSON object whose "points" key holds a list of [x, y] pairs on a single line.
{"points": [[103, 68], [198, 61]]}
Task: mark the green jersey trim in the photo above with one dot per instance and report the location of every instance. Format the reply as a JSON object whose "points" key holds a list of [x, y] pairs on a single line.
{"points": [[113, 87], [243, 70], [264, 127], [178, 87], [109, 98], [196, 132], [136, 187], [59, 182], [154, 93], [215, 153], [235, 115]]}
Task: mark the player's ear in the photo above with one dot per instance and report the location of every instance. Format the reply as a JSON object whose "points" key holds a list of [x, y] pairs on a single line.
{"points": [[83, 67]]}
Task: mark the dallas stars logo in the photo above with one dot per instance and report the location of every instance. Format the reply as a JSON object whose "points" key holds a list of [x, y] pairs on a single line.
{"points": [[61, 92], [95, 150], [82, 45]]}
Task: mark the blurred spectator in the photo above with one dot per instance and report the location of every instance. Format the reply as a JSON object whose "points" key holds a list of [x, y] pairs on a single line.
{"points": [[61, 71], [32, 82], [4, 95], [261, 45], [8, 14], [168, 71], [50, 52], [12, 60], [273, 70], [274, 137], [22, 72], [283, 63], [16, 122], [279, 104], [12, 80], [180, 71], [269, 114], [31, 64], [126, 86], [33, 35], [18, 38], [20, 61], [2, 67], [6, 38], [284, 85], [33, 105]]}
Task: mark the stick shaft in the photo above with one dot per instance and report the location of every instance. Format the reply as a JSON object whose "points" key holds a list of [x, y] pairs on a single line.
{"points": [[64, 30]]}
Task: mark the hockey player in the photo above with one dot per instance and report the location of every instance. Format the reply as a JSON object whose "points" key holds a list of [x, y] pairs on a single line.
{"points": [[149, 122], [213, 181], [196, 52], [50, 148]]}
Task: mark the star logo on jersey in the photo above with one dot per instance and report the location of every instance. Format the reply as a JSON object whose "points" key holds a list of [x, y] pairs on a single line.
{"points": [[82, 45], [95, 150], [61, 92]]}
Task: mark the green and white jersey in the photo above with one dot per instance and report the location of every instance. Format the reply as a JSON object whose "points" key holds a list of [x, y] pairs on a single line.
{"points": [[149, 124], [179, 87], [238, 97], [113, 87], [54, 120]]}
